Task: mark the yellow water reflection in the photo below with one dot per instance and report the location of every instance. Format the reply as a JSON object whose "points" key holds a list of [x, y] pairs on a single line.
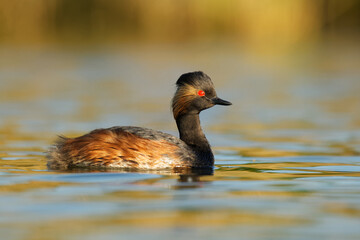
{"points": [[341, 150], [24, 166], [154, 221], [30, 186], [279, 171]]}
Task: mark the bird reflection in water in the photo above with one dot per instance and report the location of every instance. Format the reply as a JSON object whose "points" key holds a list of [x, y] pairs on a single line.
{"points": [[187, 177]]}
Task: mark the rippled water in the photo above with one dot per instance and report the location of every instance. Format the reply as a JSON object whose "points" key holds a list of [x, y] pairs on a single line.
{"points": [[287, 151]]}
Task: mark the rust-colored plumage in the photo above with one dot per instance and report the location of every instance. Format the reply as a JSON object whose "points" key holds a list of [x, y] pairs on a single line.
{"points": [[142, 148], [115, 148]]}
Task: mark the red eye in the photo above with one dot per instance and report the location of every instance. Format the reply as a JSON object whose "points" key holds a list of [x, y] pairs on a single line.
{"points": [[201, 93]]}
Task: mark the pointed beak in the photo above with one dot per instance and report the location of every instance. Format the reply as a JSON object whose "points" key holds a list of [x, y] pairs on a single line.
{"points": [[219, 101]]}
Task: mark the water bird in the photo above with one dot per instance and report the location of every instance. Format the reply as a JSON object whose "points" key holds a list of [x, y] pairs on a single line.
{"points": [[142, 148]]}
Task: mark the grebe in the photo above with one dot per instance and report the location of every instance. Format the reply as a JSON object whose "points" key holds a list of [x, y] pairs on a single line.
{"points": [[142, 148]]}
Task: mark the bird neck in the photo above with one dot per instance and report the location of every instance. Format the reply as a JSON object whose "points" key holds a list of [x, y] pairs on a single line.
{"points": [[191, 133]]}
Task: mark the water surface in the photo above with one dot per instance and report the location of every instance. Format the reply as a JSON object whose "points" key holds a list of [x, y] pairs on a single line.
{"points": [[287, 150]]}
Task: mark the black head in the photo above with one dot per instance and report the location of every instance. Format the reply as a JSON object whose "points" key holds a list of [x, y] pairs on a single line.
{"points": [[195, 92]]}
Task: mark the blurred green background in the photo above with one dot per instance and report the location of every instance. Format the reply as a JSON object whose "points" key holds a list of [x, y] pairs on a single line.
{"points": [[265, 25]]}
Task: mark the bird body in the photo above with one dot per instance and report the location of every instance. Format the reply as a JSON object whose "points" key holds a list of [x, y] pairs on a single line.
{"points": [[122, 147], [143, 148]]}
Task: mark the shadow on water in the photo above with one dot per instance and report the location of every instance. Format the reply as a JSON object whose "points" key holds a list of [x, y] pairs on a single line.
{"points": [[174, 171], [186, 177], [243, 194], [287, 154]]}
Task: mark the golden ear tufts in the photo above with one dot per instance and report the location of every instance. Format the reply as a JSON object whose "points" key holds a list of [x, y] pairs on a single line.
{"points": [[182, 99]]}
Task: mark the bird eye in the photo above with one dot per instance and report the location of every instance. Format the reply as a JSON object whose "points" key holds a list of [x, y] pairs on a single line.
{"points": [[201, 93]]}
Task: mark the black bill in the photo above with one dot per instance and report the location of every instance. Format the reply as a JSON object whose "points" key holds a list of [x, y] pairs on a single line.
{"points": [[219, 101]]}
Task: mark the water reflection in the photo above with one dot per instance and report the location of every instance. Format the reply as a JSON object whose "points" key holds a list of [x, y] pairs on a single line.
{"points": [[287, 157], [244, 193], [186, 177], [174, 171]]}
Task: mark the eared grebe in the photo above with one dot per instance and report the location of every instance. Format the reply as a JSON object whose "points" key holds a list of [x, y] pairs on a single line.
{"points": [[142, 148]]}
